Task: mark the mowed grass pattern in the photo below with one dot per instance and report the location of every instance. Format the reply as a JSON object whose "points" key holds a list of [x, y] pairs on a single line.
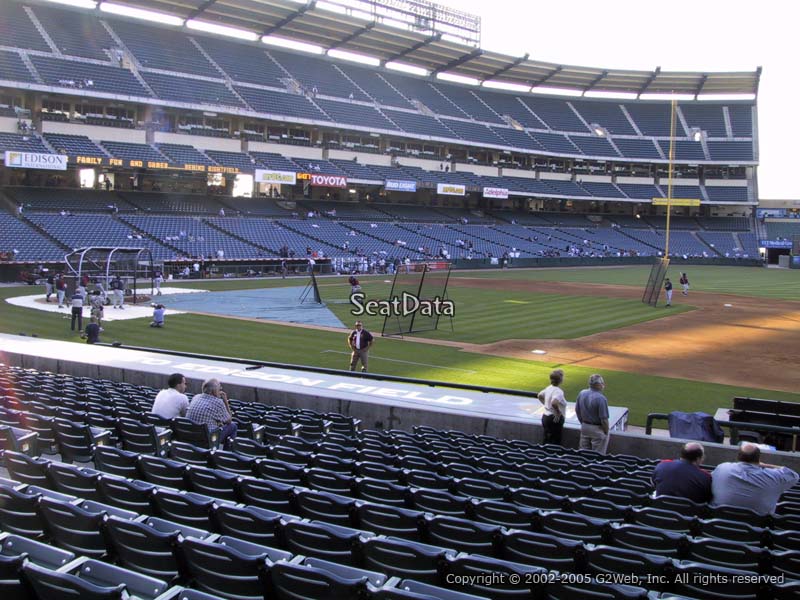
{"points": [[745, 281], [485, 316]]}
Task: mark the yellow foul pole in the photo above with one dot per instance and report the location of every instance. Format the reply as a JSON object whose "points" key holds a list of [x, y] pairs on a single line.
{"points": [[673, 116]]}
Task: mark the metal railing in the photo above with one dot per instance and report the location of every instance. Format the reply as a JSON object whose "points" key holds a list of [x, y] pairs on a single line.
{"points": [[735, 427]]}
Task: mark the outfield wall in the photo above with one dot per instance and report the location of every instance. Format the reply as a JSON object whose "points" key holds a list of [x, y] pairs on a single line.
{"points": [[388, 405]]}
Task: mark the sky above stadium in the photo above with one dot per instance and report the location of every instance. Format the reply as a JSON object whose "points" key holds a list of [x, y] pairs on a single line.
{"points": [[683, 35]]}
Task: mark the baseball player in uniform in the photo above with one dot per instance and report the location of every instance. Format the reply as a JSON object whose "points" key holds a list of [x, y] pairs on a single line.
{"points": [[668, 290], [118, 287], [355, 285], [685, 284]]}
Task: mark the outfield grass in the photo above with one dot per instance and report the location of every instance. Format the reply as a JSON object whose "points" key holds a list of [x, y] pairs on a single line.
{"points": [[484, 316], [745, 281], [263, 341]]}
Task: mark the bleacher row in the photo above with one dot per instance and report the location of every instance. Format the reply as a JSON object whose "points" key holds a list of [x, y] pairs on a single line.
{"points": [[249, 76], [309, 505], [175, 225]]}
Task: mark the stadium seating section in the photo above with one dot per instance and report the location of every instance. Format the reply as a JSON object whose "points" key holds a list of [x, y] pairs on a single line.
{"points": [[311, 505], [192, 68], [97, 52]]}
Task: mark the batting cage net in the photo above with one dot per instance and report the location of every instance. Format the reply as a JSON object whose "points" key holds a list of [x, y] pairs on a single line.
{"points": [[416, 283], [311, 293], [97, 266], [652, 290]]}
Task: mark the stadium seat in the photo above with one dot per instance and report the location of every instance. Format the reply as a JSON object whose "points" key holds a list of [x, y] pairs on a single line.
{"points": [[597, 508], [278, 470], [378, 470], [212, 482], [647, 539], [54, 585], [462, 535], [73, 528], [19, 513], [193, 455], [737, 531], [186, 508], [288, 580], [269, 495], [328, 508], [321, 540], [76, 442], [495, 588], [18, 440], [786, 562], [735, 513], [116, 462], [14, 547], [142, 548], [722, 553], [72, 480], [542, 550], [250, 524], [401, 558], [380, 492], [44, 428], [128, 495], [707, 582], [323, 480], [332, 463], [662, 519], [225, 570], [390, 521], [438, 502], [428, 480], [680, 505], [25, 469], [232, 462], [409, 589], [538, 499], [183, 430], [609, 560], [589, 588], [143, 438], [163, 471], [572, 526], [249, 447], [502, 513]]}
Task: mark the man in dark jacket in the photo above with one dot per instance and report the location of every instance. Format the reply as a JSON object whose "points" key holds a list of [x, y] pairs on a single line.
{"points": [[684, 477], [359, 342]]}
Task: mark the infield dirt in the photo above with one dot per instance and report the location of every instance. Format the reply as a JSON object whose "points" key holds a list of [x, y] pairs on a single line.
{"points": [[754, 342]]}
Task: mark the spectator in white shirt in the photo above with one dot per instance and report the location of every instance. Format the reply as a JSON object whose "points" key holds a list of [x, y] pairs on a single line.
{"points": [[172, 402], [555, 408]]}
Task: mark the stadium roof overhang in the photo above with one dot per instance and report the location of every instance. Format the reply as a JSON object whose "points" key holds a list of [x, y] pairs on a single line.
{"points": [[330, 24]]}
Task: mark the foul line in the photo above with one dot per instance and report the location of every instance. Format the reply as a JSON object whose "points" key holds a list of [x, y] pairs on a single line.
{"points": [[407, 362]]}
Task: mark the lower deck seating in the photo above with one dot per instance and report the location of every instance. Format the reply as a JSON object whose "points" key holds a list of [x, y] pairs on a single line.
{"points": [[330, 507]]}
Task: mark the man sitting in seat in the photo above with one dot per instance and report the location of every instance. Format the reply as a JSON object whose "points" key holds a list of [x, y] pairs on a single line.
{"points": [[684, 477], [211, 409], [172, 402], [750, 483]]}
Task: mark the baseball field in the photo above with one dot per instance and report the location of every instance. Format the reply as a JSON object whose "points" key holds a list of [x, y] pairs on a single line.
{"points": [[736, 333]]}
